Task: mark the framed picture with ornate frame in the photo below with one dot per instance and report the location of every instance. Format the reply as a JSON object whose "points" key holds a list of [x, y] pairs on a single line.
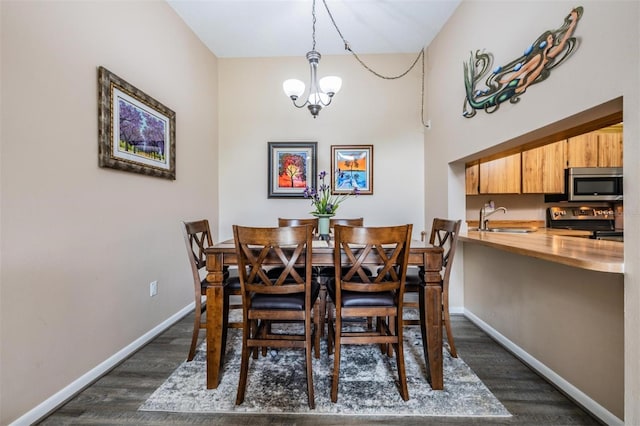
{"points": [[136, 132], [292, 168], [352, 167]]}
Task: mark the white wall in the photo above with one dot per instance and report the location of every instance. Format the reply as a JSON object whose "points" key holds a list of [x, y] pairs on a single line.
{"points": [[604, 67], [80, 244], [367, 111]]}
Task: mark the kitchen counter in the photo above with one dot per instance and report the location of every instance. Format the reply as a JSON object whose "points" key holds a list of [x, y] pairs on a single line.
{"points": [[556, 245]]}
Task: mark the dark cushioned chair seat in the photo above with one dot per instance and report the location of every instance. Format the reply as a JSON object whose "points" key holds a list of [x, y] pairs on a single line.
{"points": [[354, 298], [294, 301]]}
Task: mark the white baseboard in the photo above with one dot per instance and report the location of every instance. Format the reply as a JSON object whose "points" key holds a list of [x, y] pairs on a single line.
{"points": [[59, 398], [573, 392], [456, 310]]}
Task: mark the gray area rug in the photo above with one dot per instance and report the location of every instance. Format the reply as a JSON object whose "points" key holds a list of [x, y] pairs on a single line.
{"points": [[368, 384]]}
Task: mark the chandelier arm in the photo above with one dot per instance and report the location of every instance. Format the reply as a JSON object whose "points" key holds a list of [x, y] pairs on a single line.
{"points": [[301, 105]]}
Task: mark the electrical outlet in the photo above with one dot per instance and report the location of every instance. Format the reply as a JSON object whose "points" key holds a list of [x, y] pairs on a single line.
{"points": [[153, 288]]}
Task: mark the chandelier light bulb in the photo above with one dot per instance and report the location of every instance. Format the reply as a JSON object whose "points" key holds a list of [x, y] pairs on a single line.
{"points": [[330, 85], [293, 88], [319, 98]]}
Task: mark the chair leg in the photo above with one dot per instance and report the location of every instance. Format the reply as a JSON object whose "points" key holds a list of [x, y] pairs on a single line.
{"points": [[267, 330], [323, 306], [399, 347], [447, 326], [244, 364], [391, 322], [317, 324], [422, 307], [330, 331], [196, 332], [225, 323], [253, 330], [307, 352], [336, 359]]}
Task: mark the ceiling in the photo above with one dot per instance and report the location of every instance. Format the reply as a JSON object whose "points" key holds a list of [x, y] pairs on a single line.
{"points": [[265, 28]]}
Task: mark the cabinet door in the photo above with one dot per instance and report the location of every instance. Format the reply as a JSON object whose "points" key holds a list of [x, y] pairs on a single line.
{"points": [[610, 150], [582, 150], [501, 176], [543, 169], [471, 180]]}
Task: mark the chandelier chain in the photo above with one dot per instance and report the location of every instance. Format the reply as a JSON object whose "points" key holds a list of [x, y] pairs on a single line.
{"points": [[313, 14], [347, 46]]}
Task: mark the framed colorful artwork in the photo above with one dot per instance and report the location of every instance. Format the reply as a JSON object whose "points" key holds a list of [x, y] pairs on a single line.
{"points": [[352, 167], [136, 133], [292, 168]]}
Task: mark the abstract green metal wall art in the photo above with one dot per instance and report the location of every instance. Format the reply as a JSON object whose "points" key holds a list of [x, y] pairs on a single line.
{"points": [[510, 81]]}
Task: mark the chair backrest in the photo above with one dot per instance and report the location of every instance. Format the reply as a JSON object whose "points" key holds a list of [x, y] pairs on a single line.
{"points": [[386, 246], [197, 237], [281, 247], [357, 221], [444, 233], [313, 221]]}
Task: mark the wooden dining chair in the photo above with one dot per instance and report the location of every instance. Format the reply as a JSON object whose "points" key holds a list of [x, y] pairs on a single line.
{"points": [[275, 272], [444, 233], [356, 221], [358, 295], [327, 272], [313, 221], [197, 237], [290, 297]]}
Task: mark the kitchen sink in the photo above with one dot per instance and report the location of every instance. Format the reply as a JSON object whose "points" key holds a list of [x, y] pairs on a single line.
{"points": [[513, 230]]}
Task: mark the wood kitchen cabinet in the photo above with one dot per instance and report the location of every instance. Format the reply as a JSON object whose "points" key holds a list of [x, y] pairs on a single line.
{"points": [[610, 149], [501, 176], [543, 169], [595, 149], [472, 179], [582, 150]]}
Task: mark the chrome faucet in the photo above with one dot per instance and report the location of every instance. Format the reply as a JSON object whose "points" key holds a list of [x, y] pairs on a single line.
{"points": [[482, 225]]}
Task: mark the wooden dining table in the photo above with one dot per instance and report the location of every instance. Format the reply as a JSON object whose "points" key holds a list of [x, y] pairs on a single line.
{"points": [[421, 254]]}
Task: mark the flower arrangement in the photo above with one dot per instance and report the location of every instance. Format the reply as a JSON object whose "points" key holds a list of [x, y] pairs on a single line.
{"points": [[322, 200]]}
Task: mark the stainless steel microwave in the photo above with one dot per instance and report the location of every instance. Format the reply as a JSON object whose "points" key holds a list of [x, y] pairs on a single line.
{"points": [[594, 184], [590, 184]]}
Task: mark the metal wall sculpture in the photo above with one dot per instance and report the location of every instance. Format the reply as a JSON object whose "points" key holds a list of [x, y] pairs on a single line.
{"points": [[510, 81]]}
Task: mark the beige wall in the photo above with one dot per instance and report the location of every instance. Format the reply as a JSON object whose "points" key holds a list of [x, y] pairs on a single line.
{"points": [[80, 244], [571, 319], [368, 111], [604, 67], [74, 284]]}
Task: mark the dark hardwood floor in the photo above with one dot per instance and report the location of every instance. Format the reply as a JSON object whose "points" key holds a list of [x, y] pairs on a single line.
{"points": [[115, 398]]}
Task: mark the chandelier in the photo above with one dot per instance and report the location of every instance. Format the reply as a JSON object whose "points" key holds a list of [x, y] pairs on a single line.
{"points": [[320, 92]]}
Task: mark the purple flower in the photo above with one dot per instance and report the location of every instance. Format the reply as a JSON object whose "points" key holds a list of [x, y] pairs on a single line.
{"points": [[322, 200]]}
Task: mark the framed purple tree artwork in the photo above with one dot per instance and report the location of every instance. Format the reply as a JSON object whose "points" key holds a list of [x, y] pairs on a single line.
{"points": [[136, 132]]}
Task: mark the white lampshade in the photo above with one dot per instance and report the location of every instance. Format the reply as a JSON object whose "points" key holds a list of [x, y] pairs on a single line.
{"points": [[313, 98], [293, 87], [330, 84]]}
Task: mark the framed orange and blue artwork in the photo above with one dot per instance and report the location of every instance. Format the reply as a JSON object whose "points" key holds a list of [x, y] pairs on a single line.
{"points": [[292, 168], [351, 168]]}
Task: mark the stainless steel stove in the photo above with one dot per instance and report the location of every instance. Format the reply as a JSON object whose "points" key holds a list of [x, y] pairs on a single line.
{"points": [[599, 220]]}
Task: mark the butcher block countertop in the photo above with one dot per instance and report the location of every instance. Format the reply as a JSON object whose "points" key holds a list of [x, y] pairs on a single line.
{"points": [[555, 245]]}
